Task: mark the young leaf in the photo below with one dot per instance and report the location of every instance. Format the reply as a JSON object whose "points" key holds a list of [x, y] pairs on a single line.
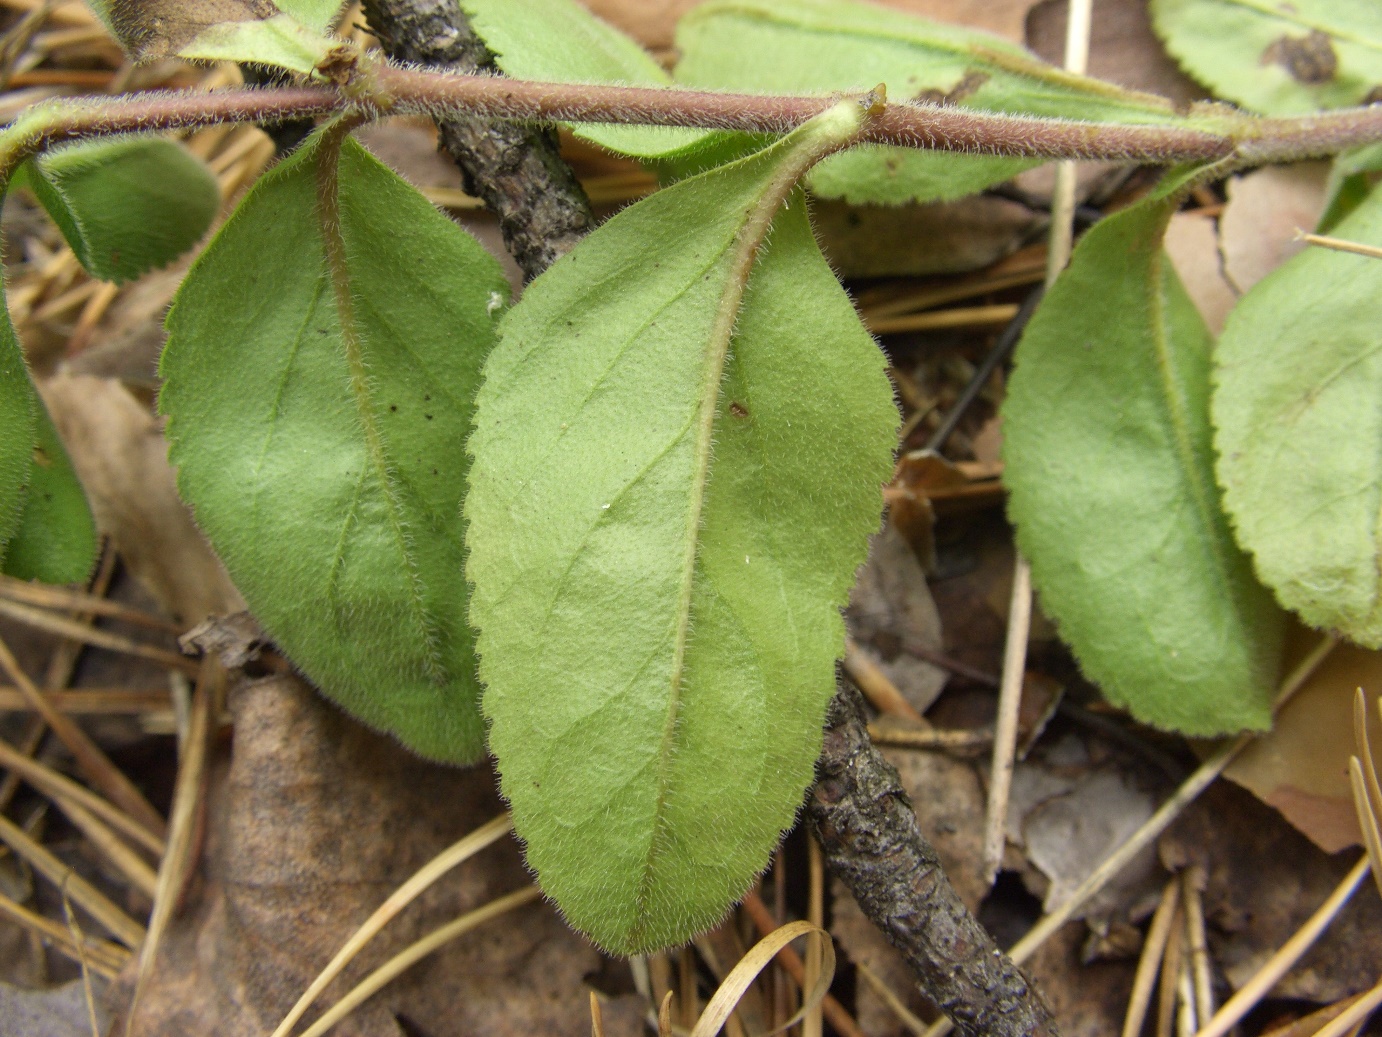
{"points": [[1297, 424], [323, 354], [127, 204], [219, 30], [677, 453], [1110, 474], [560, 41], [56, 538], [1277, 58], [817, 46]]}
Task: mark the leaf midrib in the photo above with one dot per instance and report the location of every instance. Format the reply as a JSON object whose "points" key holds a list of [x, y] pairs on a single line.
{"points": [[333, 241]]}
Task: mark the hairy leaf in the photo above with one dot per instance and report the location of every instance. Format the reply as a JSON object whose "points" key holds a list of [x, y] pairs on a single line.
{"points": [[219, 30], [1351, 179], [318, 15], [678, 450], [322, 358], [18, 417], [127, 204], [818, 46], [560, 41], [1110, 473], [56, 538], [1297, 377], [1277, 58]]}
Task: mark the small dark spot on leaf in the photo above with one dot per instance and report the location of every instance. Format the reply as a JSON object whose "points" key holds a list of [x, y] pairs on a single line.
{"points": [[738, 410], [393, 408], [426, 399], [434, 471], [1308, 59], [428, 417]]}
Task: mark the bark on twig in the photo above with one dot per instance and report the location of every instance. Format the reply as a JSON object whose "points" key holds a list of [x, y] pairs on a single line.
{"points": [[871, 840], [514, 168]]}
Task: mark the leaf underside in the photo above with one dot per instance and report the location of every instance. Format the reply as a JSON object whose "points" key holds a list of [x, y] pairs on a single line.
{"points": [[257, 31], [660, 543], [55, 541], [18, 418], [1277, 58], [323, 454], [128, 204], [1110, 474], [816, 46], [1297, 427]]}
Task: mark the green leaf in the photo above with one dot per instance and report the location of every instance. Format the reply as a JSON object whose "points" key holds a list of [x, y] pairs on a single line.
{"points": [[318, 15], [1110, 474], [56, 538], [822, 46], [254, 31], [678, 450], [322, 360], [1351, 179], [1277, 58], [125, 205], [560, 41], [1297, 379], [18, 417]]}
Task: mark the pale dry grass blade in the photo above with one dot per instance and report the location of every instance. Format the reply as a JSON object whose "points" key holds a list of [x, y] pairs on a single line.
{"points": [[597, 1019], [664, 1016], [405, 959], [930, 738], [462, 850], [1355, 1015], [128, 863], [106, 958], [86, 701], [1005, 727], [905, 1015], [89, 757], [993, 316], [79, 940], [179, 859], [50, 597], [1201, 975], [1149, 963], [1280, 963], [762, 953], [835, 1013], [1367, 819], [94, 636], [812, 1023], [1340, 244], [877, 687], [88, 897], [63, 790], [1170, 976]]}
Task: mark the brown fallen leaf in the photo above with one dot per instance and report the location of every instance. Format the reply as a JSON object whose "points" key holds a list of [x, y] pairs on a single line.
{"points": [[1263, 880], [1257, 232], [1300, 767], [312, 822], [1122, 47], [653, 22], [1087, 999], [1067, 813], [891, 608], [121, 458], [947, 238], [1192, 242]]}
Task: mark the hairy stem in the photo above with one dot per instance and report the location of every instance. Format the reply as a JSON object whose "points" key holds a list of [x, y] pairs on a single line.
{"points": [[872, 842], [384, 89], [514, 168]]}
